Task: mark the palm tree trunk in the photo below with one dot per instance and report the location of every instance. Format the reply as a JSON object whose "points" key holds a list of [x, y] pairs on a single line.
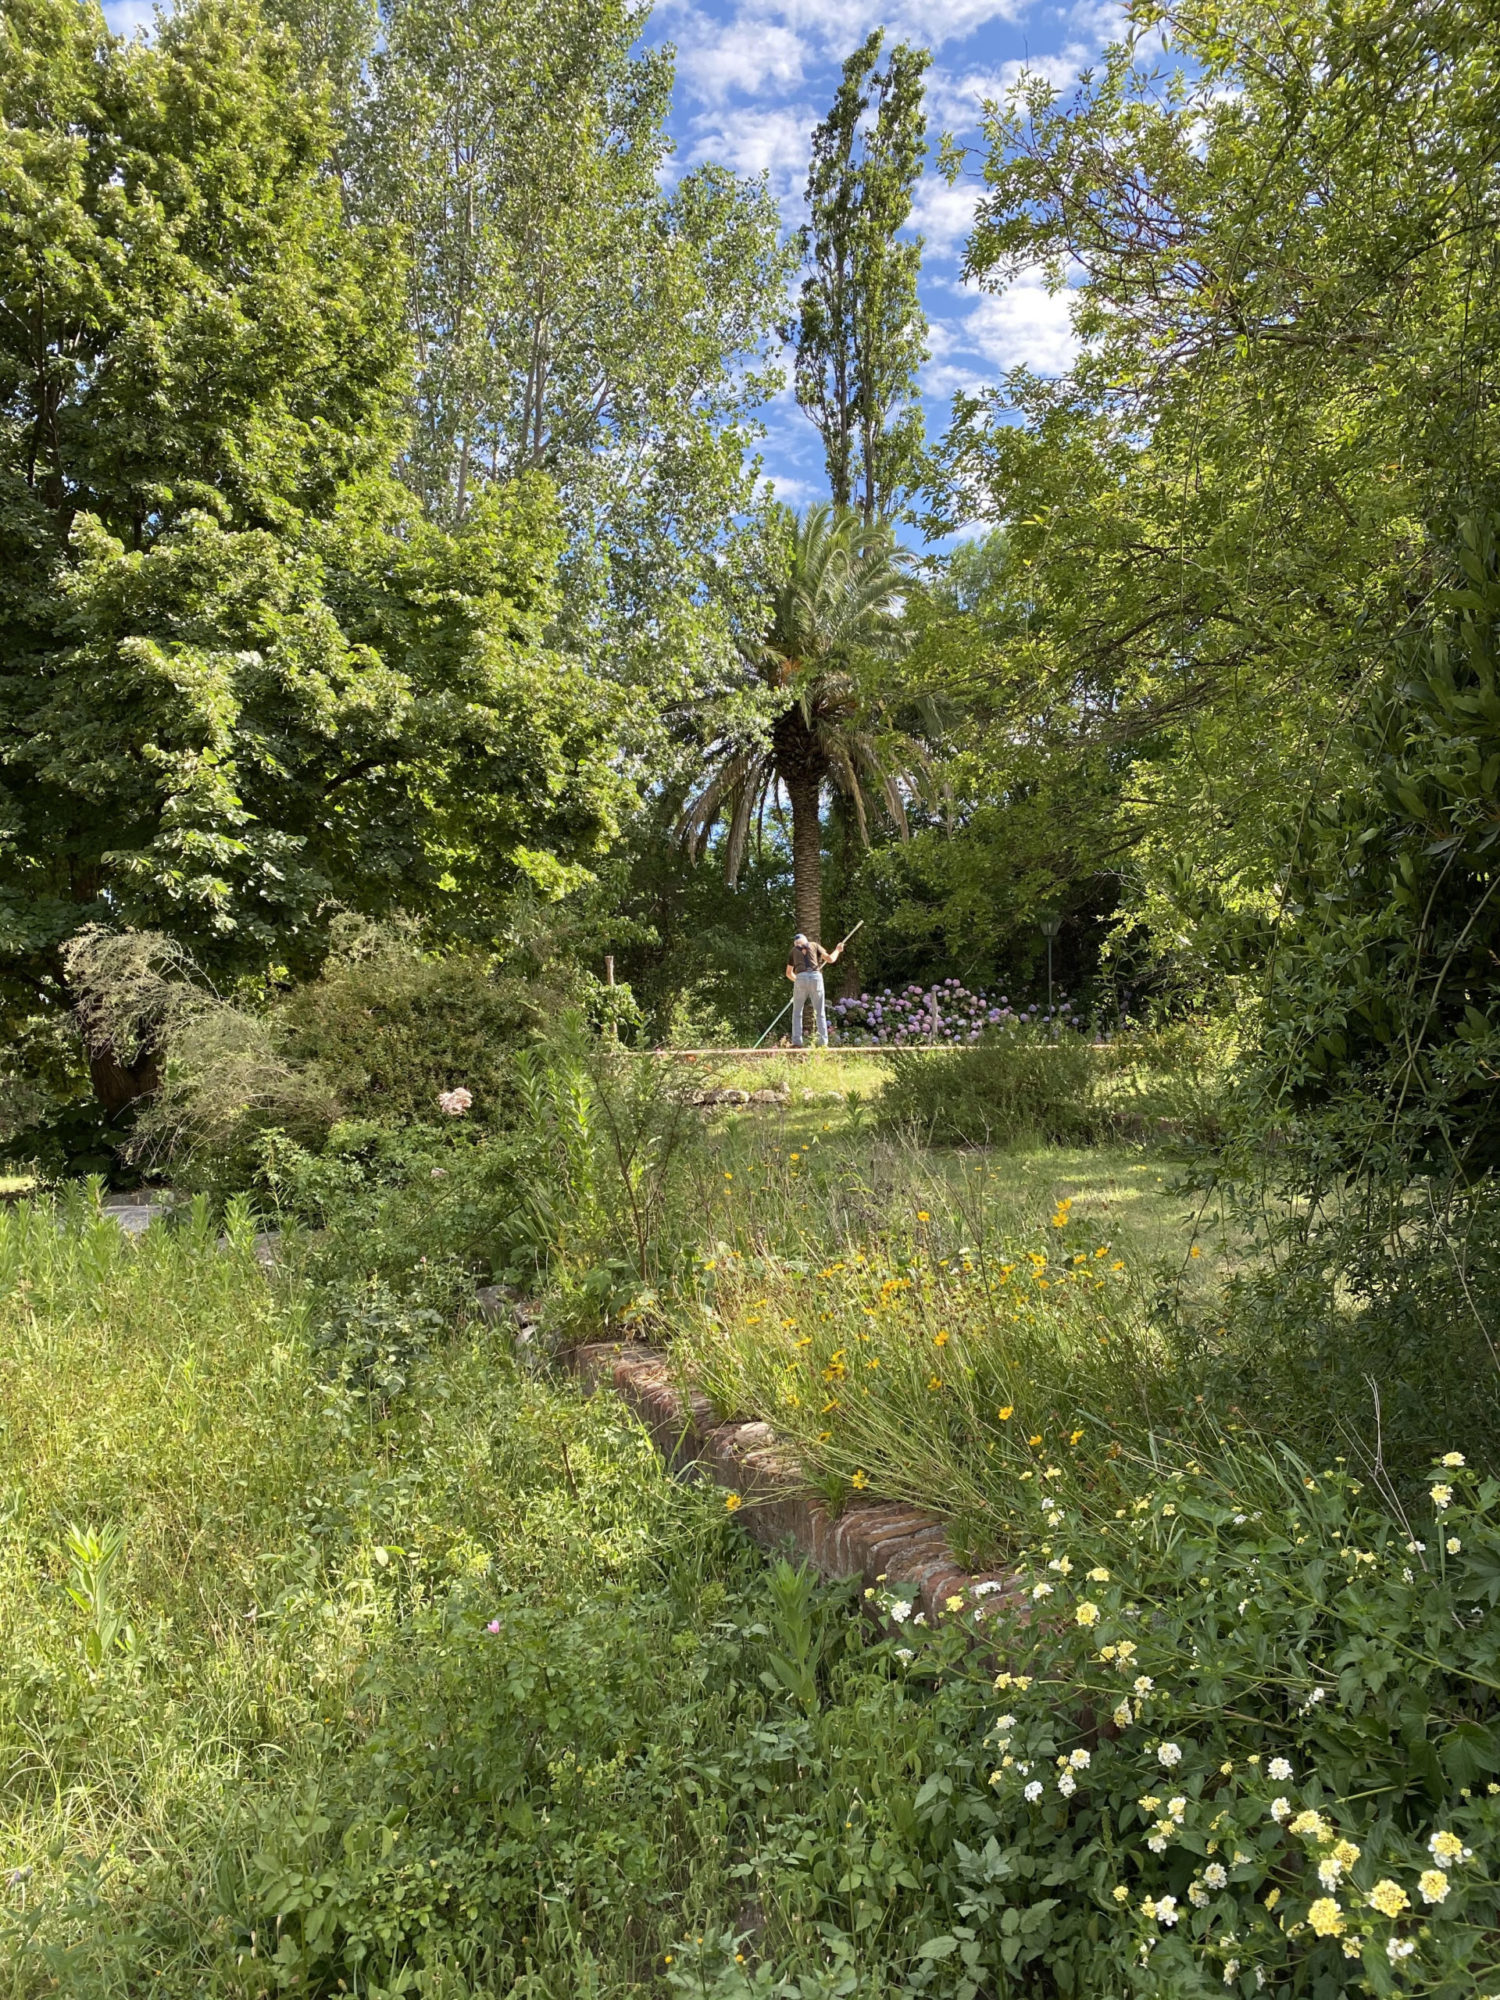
{"points": [[807, 853]]}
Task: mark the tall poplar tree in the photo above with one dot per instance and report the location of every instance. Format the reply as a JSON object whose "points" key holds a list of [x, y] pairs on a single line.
{"points": [[860, 334], [572, 315]]}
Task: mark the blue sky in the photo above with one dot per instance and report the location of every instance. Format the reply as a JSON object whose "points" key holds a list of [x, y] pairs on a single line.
{"points": [[755, 76]]}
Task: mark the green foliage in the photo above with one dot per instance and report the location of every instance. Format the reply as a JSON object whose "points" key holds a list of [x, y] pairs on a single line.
{"points": [[239, 687], [1032, 815], [1379, 1046], [1020, 1086], [573, 310], [446, 1689], [1221, 518], [391, 1027], [860, 334], [703, 960], [1295, 1790]]}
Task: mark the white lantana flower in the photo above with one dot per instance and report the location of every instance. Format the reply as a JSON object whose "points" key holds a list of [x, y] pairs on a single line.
{"points": [[1033, 1791], [1279, 1769], [1169, 1755]]}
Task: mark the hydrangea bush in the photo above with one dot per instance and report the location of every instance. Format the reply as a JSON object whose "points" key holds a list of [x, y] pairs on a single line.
{"points": [[1247, 1741], [947, 1012]]}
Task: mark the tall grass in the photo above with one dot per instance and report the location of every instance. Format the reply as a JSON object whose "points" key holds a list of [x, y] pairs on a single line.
{"points": [[932, 1358], [315, 1683]]}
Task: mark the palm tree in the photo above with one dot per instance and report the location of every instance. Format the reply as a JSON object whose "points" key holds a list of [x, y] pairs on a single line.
{"points": [[833, 612]]}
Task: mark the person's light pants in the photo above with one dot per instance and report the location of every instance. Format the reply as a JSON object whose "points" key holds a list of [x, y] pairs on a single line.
{"points": [[809, 986]]}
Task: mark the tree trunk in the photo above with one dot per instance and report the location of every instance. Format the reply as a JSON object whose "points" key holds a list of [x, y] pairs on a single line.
{"points": [[117, 1087], [807, 853]]}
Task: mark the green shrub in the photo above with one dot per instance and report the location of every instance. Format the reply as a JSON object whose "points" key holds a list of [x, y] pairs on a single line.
{"points": [[224, 1084], [1023, 1085], [391, 1029], [1178, 1078]]}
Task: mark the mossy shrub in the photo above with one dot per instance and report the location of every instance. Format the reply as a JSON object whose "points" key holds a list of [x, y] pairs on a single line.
{"points": [[1022, 1085], [392, 1030]]}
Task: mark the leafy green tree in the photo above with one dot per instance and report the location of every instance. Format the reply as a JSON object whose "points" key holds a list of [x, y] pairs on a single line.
{"points": [[1033, 820], [1282, 235], [831, 615], [1382, 1037], [571, 312], [238, 687], [860, 334]]}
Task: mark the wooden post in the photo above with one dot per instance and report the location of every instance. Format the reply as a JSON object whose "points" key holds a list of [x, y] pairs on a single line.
{"points": [[609, 969]]}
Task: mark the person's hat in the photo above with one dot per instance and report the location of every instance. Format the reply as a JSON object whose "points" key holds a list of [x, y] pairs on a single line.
{"points": [[800, 938]]}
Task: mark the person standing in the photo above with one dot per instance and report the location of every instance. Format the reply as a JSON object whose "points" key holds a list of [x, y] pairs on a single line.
{"points": [[805, 970]]}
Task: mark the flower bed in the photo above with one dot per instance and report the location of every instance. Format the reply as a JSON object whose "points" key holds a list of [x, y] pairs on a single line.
{"points": [[947, 1013]]}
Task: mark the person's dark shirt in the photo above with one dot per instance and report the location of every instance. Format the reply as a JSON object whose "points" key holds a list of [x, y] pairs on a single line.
{"points": [[810, 957]]}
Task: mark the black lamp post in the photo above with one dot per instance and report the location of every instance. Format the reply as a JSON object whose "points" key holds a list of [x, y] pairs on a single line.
{"points": [[1050, 926]]}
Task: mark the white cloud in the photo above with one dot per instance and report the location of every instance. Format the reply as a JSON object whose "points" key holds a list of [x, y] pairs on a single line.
{"points": [[946, 379], [759, 139], [1098, 21], [944, 214], [1025, 326], [746, 56], [774, 39], [125, 16], [957, 101], [795, 492]]}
